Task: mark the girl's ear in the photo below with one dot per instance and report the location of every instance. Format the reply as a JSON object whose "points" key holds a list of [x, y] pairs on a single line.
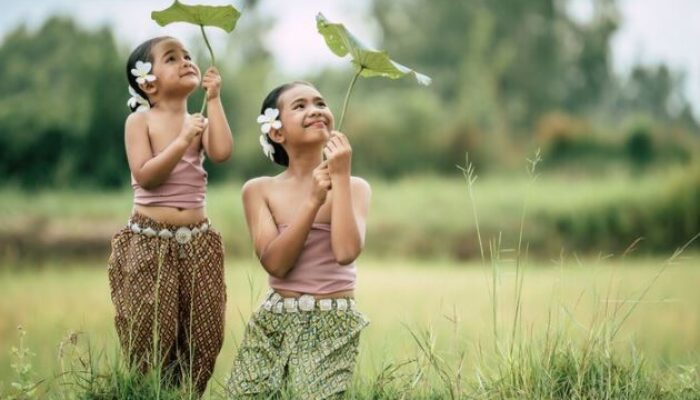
{"points": [[276, 136], [148, 88]]}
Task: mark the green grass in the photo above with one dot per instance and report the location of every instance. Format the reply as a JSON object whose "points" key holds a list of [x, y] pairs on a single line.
{"points": [[428, 317], [574, 328]]}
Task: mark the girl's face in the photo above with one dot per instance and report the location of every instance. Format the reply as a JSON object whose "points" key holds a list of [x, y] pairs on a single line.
{"points": [[304, 115], [173, 67]]}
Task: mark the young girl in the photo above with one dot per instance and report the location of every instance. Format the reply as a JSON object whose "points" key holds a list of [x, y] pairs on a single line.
{"points": [[308, 227], [166, 268]]}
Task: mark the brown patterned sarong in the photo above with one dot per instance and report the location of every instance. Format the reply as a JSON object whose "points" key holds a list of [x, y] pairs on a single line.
{"points": [[170, 300]]}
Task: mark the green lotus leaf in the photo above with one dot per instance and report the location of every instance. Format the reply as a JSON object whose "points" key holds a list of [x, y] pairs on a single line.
{"points": [[224, 17], [371, 62]]}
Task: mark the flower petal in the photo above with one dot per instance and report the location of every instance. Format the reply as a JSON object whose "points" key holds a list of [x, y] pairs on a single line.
{"points": [[276, 124], [140, 80], [265, 128], [272, 113], [261, 119], [150, 78]]}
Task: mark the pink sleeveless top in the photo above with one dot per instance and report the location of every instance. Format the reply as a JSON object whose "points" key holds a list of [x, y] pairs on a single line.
{"points": [[186, 187], [316, 270]]}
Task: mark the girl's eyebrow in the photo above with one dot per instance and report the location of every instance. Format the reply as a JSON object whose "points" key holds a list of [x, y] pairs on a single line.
{"points": [[315, 98], [175, 49], [168, 52]]}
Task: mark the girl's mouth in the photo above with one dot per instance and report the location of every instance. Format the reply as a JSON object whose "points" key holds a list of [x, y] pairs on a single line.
{"points": [[317, 124]]}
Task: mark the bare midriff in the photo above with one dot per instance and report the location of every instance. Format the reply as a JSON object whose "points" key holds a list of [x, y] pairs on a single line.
{"points": [[336, 295], [172, 215]]}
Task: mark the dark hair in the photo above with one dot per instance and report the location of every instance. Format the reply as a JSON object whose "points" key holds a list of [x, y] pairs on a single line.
{"points": [[141, 53], [280, 155]]}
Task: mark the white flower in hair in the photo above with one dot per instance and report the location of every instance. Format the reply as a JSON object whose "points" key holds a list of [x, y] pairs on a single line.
{"points": [[141, 72], [269, 120], [267, 147], [135, 99]]}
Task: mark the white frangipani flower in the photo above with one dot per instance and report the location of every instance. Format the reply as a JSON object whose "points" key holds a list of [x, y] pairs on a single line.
{"points": [[141, 72], [269, 120], [267, 147], [137, 99]]}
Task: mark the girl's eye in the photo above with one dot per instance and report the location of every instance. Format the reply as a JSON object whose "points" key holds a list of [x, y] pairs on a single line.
{"points": [[171, 58], [188, 58], [298, 106], [321, 104]]}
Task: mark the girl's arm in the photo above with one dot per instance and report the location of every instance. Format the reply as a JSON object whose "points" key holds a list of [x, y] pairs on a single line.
{"points": [[217, 139], [351, 197], [150, 171], [278, 252]]}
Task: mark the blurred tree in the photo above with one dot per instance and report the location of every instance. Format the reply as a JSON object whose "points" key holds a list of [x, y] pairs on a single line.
{"points": [[504, 60], [53, 82], [640, 146], [503, 71]]}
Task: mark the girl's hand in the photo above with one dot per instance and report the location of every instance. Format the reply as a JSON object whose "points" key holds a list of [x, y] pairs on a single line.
{"points": [[211, 81], [338, 155], [193, 126], [321, 183]]}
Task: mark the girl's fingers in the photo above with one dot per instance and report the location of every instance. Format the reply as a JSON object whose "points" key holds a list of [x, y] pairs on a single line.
{"points": [[330, 146]]}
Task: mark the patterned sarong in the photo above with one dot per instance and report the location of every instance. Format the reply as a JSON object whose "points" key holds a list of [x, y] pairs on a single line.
{"points": [[170, 300], [310, 354]]}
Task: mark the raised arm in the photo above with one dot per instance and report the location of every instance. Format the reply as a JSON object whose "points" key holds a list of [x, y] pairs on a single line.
{"points": [[278, 252], [351, 197], [217, 139], [150, 171]]}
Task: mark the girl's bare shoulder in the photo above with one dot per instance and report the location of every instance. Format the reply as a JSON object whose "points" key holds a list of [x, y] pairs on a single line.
{"points": [[358, 183], [257, 186], [137, 120]]}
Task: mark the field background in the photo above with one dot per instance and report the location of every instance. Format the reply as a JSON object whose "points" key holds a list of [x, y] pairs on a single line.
{"points": [[584, 182]]}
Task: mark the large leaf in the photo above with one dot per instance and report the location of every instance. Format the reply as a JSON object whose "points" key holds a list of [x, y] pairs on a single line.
{"points": [[224, 17], [372, 62]]}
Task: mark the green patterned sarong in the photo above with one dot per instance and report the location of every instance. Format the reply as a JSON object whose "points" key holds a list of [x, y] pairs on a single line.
{"points": [[310, 354]]}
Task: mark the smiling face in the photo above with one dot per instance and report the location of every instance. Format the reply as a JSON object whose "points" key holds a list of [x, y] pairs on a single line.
{"points": [[305, 117], [173, 67]]}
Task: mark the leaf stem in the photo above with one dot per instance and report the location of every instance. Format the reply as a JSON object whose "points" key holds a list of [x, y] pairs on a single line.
{"points": [[213, 62], [347, 97]]}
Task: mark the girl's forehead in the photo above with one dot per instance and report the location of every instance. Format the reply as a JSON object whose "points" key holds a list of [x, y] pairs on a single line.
{"points": [[166, 45], [297, 92]]}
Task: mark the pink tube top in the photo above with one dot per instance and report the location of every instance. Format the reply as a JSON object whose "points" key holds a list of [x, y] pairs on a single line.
{"points": [[186, 187], [316, 270]]}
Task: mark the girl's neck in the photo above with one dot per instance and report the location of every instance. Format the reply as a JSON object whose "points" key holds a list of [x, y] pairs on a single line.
{"points": [[303, 162], [175, 106]]}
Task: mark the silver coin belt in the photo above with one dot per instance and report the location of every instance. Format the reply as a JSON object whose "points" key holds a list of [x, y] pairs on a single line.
{"points": [[305, 303], [182, 234]]}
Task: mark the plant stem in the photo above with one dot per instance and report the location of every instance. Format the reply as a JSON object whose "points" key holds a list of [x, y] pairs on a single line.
{"points": [[347, 97], [213, 62]]}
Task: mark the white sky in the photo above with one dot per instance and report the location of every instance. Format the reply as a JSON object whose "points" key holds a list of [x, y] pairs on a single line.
{"points": [[652, 31]]}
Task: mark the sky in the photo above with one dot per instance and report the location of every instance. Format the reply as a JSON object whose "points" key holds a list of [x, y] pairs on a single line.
{"points": [[652, 31]]}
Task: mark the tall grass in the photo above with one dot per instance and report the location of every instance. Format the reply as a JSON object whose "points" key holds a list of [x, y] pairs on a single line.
{"points": [[568, 358]]}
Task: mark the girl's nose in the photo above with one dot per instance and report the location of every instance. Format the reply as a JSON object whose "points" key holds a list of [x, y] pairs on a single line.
{"points": [[316, 110]]}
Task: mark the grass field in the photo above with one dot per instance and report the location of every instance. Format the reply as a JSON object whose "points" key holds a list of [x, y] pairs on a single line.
{"points": [[452, 300], [440, 327]]}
